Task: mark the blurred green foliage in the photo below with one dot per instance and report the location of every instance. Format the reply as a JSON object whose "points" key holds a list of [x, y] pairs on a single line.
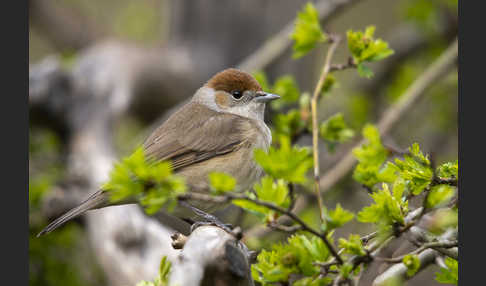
{"points": [[151, 183], [335, 130], [448, 275]]}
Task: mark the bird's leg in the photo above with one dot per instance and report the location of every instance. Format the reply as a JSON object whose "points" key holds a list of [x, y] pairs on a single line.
{"points": [[208, 219]]}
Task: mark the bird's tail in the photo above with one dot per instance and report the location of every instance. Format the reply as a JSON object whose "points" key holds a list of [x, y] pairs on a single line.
{"points": [[96, 200]]}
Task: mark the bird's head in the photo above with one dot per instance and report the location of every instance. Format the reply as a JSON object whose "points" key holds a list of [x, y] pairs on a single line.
{"points": [[235, 91]]}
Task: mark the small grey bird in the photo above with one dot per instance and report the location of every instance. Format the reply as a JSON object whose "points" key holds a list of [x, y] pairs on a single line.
{"points": [[216, 131]]}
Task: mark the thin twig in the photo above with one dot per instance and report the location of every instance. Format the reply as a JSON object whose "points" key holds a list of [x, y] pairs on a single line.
{"points": [[434, 245], [315, 134], [232, 196]]}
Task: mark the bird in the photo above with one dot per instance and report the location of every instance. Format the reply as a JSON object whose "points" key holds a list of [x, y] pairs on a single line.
{"points": [[217, 130]]}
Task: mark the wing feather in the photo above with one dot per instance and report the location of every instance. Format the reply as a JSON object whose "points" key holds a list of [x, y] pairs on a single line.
{"points": [[195, 134]]}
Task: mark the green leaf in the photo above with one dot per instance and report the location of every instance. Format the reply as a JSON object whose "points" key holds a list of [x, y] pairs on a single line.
{"points": [[412, 262], [297, 256], [345, 270], [353, 245], [269, 191], [365, 71], [370, 156], [152, 183], [163, 278], [448, 275], [439, 195], [337, 218], [335, 130], [288, 124], [290, 163], [221, 182], [287, 88], [415, 169], [364, 48], [387, 209], [448, 170], [307, 32]]}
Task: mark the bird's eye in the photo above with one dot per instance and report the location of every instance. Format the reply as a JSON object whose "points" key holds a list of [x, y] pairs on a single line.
{"points": [[236, 94]]}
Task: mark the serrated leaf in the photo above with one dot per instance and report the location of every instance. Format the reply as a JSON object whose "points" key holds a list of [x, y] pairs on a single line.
{"points": [[337, 218], [370, 156], [288, 162], [151, 183], [448, 170], [307, 32], [269, 191], [353, 245], [387, 209]]}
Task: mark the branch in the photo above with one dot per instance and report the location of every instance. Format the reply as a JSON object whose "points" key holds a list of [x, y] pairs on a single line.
{"points": [[232, 196], [276, 45], [315, 134], [432, 74], [211, 256], [433, 245], [426, 258]]}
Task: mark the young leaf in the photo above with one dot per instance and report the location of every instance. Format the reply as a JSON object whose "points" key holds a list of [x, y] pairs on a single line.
{"points": [[370, 156], [364, 48], [412, 262], [337, 218], [353, 245], [288, 124], [448, 275], [307, 32], [221, 182], [387, 209], [269, 191], [288, 162], [448, 170], [287, 88], [439, 195], [335, 130], [153, 184]]}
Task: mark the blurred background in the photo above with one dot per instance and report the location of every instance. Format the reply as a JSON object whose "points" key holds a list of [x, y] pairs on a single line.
{"points": [[104, 73]]}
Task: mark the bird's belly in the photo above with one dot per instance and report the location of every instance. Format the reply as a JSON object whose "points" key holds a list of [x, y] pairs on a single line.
{"points": [[239, 164]]}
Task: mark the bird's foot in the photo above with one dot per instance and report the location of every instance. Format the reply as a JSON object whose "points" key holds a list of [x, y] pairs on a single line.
{"points": [[209, 219]]}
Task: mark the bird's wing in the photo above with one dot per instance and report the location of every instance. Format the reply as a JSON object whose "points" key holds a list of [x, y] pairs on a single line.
{"points": [[194, 134]]}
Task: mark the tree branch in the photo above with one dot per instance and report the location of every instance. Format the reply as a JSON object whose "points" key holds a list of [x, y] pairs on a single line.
{"points": [[227, 263]]}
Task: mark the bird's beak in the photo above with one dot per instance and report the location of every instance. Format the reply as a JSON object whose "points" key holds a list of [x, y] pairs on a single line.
{"points": [[266, 97]]}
